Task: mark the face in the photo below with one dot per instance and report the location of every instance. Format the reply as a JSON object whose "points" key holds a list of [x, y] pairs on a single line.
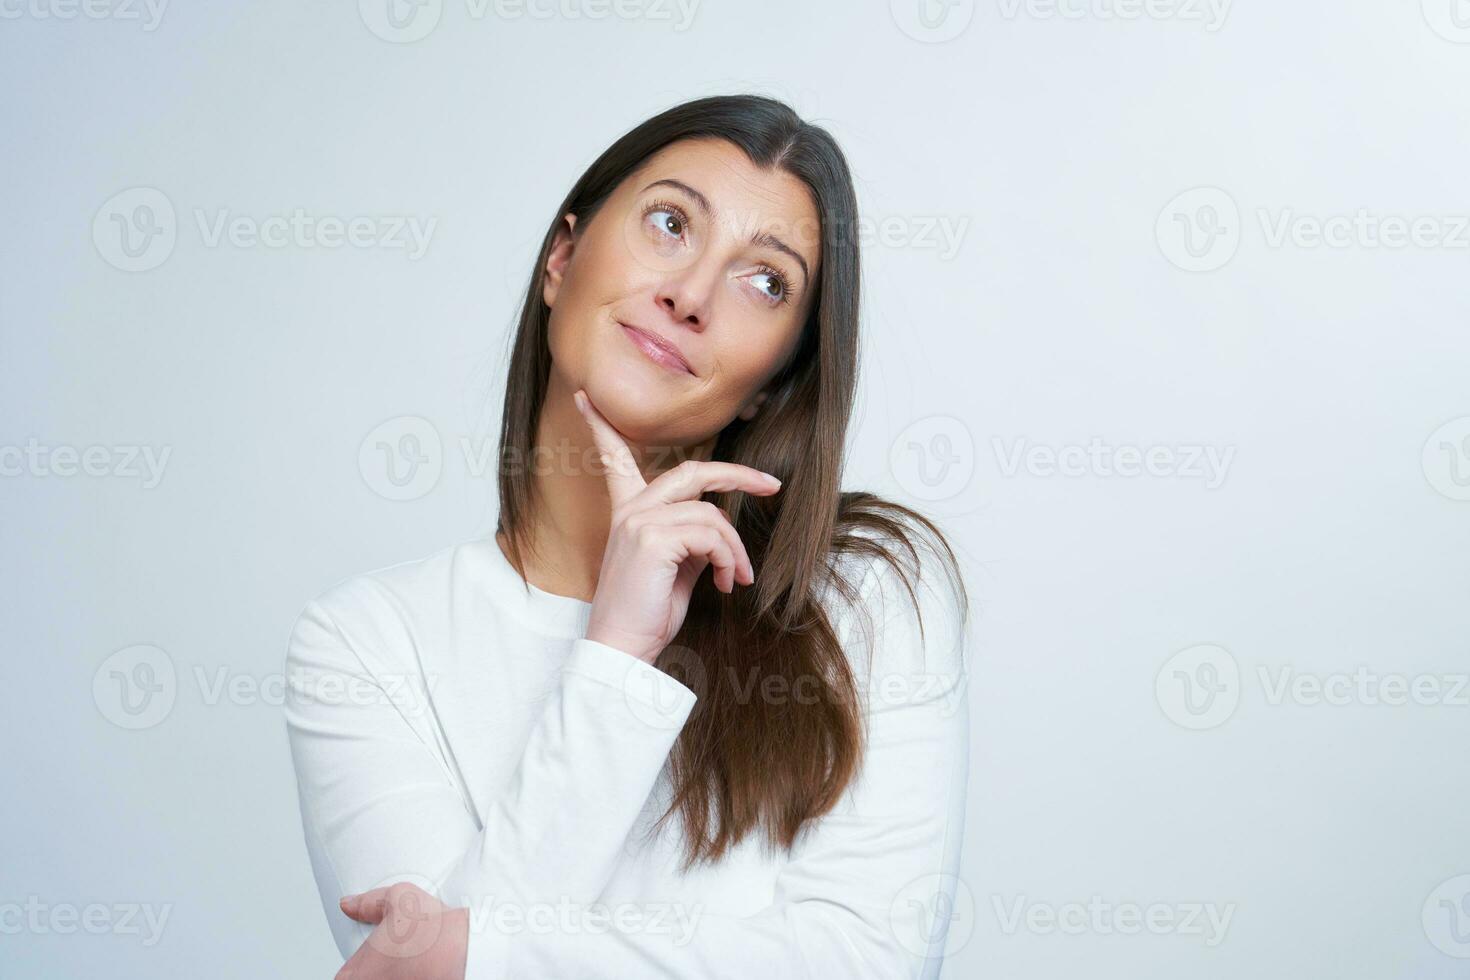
{"points": [[685, 293]]}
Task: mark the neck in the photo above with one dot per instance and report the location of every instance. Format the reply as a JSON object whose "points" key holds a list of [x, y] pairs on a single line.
{"points": [[572, 511]]}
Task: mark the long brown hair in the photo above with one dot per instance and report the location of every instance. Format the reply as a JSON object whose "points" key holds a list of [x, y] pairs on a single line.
{"points": [[742, 763]]}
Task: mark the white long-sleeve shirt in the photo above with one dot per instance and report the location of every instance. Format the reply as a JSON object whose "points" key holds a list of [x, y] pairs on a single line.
{"points": [[454, 728]]}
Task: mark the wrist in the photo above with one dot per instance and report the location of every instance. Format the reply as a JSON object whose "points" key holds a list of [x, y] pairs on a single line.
{"points": [[635, 647], [452, 948]]}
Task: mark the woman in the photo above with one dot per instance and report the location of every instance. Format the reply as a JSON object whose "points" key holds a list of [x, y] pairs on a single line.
{"points": [[564, 751]]}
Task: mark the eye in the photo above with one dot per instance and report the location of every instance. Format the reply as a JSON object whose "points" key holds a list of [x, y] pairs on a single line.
{"points": [[773, 284], [667, 217]]}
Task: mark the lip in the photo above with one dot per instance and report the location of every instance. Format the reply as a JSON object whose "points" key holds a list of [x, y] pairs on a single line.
{"points": [[659, 350]]}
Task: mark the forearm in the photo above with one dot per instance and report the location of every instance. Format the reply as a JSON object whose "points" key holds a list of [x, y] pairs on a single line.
{"points": [[792, 941], [586, 773]]}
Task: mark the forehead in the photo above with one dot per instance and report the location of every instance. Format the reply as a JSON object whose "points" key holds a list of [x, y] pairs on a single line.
{"points": [[746, 199]]}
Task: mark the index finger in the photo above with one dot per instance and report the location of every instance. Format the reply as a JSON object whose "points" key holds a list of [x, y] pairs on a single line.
{"points": [[624, 479], [689, 482]]}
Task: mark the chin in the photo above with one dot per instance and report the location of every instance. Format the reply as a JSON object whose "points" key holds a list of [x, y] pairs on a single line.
{"points": [[638, 409]]}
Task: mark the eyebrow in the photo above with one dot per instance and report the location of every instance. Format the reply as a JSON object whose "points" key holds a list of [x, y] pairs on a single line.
{"points": [[763, 238]]}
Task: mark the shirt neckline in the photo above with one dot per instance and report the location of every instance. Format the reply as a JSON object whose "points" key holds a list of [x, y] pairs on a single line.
{"points": [[555, 615]]}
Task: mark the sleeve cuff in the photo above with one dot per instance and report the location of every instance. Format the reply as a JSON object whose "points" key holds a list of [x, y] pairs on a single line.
{"points": [[652, 695]]}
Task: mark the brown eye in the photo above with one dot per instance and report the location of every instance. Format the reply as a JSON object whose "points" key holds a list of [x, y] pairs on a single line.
{"points": [[667, 220], [772, 285]]}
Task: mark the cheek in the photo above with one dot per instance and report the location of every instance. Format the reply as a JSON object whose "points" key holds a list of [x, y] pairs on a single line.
{"points": [[591, 284], [743, 366], [604, 271], [561, 339]]}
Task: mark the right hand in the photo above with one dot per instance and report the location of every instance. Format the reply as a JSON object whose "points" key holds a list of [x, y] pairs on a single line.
{"points": [[662, 538]]}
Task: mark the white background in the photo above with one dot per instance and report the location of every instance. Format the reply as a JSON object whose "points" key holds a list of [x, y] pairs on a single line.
{"points": [[1056, 141]]}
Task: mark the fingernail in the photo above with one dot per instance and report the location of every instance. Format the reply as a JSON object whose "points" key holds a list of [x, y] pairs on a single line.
{"points": [[773, 479]]}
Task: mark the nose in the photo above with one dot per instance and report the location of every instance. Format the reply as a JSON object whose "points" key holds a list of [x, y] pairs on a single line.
{"points": [[687, 295]]}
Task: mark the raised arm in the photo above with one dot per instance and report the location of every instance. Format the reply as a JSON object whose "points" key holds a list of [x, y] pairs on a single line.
{"points": [[377, 807], [870, 891]]}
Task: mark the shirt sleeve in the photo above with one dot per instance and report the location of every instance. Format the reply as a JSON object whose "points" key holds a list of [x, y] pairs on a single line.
{"points": [[871, 891], [378, 804]]}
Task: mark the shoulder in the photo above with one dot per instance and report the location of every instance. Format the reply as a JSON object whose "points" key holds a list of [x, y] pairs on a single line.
{"points": [[904, 614], [376, 614]]}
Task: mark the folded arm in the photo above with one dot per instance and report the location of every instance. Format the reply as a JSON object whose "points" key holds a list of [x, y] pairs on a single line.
{"points": [[378, 804]]}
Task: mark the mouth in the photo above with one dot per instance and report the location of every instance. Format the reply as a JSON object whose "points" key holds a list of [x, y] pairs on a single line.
{"points": [[662, 352]]}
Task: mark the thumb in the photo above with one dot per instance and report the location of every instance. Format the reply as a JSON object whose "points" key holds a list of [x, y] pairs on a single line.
{"points": [[367, 906]]}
